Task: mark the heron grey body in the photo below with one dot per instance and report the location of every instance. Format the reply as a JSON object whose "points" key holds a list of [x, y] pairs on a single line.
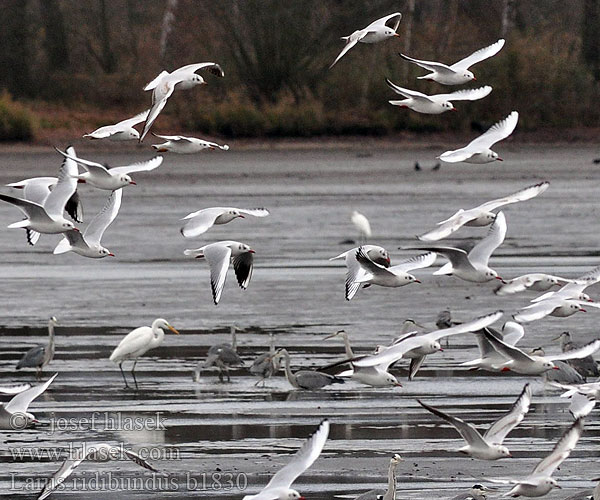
{"points": [[222, 356], [586, 367], [265, 365], [40, 356], [307, 379]]}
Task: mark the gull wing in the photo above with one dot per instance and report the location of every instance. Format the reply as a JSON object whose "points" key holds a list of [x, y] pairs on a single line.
{"points": [[449, 226], [456, 256], [211, 67], [35, 189], [160, 96], [480, 253], [479, 55], [416, 262], [500, 429], [466, 430], [371, 268], [301, 461], [384, 20], [20, 403], [174, 138], [201, 221], [256, 212], [457, 155], [15, 389], [412, 94], [66, 469], [511, 352], [29, 208], [463, 95], [243, 265], [134, 120], [430, 65], [151, 85], [581, 352], [218, 257], [561, 450], [512, 332], [469, 326], [97, 168], [97, 226], [581, 405], [522, 195], [142, 166], [538, 310], [495, 133], [65, 186]]}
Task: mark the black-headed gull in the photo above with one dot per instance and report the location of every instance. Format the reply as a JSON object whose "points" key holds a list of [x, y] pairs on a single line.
{"points": [[458, 73], [393, 276], [279, 487], [121, 131], [584, 396], [111, 178], [362, 225], [45, 212], [99, 452], [14, 414], [539, 282], [435, 104], [88, 244], [421, 345], [375, 32], [199, 222], [218, 255], [481, 215], [489, 445], [185, 145], [473, 266], [586, 367], [137, 342], [574, 288], [526, 364], [540, 482], [559, 307], [489, 358], [354, 270], [41, 355], [165, 83], [309, 380], [390, 492], [478, 150]]}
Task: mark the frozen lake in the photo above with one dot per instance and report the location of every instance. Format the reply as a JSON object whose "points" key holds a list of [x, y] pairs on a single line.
{"points": [[216, 433]]}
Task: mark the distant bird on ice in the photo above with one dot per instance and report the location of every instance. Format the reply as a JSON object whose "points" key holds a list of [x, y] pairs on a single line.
{"points": [[375, 32], [362, 225]]}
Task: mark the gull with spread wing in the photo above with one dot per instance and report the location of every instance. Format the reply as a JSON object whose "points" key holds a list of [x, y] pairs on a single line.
{"points": [[489, 445], [489, 358], [88, 244], [375, 32], [583, 396], [98, 452], [540, 282], [111, 178], [481, 215], [218, 255], [558, 307], [458, 73], [435, 104], [526, 364], [14, 414], [473, 266], [165, 84], [122, 131], [478, 150], [199, 222], [185, 145], [540, 482], [574, 289], [279, 487]]}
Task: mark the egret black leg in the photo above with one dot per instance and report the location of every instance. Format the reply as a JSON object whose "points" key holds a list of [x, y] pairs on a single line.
{"points": [[133, 373], [123, 374]]}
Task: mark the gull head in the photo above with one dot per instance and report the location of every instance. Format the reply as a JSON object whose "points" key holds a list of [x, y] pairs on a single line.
{"points": [[549, 481], [469, 76], [389, 32], [493, 156], [391, 380], [409, 278], [380, 256], [290, 495], [549, 365], [196, 80], [125, 179], [105, 252], [490, 274], [68, 225], [133, 134], [242, 247], [504, 451], [448, 106], [585, 297], [435, 346], [236, 214]]}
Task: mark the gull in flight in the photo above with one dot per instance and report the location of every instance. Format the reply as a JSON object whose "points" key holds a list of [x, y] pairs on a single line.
{"points": [[279, 487], [586, 367], [540, 482], [478, 150], [527, 364], [165, 83], [435, 104], [489, 358], [419, 346], [481, 215], [489, 445], [458, 73], [44, 211], [111, 178], [14, 414], [574, 289], [218, 255], [540, 282], [362, 225], [354, 270], [99, 452], [372, 273], [88, 244], [139, 341], [199, 222], [375, 32], [390, 493], [558, 307], [583, 397], [41, 355], [185, 145], [473, 266], [14, 389], [122, 131]]}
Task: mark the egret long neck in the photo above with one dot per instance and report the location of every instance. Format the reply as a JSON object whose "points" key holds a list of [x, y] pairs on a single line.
{"points": [[390, 494]]}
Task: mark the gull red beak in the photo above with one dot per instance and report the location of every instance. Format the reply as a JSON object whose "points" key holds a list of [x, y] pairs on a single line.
{"points": [[555, 368], [396, 34], [133, 182], [251, 251], [505, 369], [241, 216], [441, 350], [80, 181], [499, 278], [454, 109], [398, 384], [111, 254], [582, 310], [76, 230], [590, 300], [499, 159], [474, 79], [417, 281]]}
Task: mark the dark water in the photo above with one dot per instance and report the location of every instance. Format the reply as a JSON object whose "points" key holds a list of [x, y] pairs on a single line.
{"points": [[209, 436]]}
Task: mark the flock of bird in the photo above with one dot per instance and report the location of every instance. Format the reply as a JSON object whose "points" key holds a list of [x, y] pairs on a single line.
{"points": [[46, 200]]}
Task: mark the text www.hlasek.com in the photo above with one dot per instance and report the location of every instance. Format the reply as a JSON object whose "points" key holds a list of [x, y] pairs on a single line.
{"points": [[111, 481]]}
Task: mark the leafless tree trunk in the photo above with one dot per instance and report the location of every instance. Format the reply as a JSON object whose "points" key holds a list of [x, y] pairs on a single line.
{"points": [[508, 17], [166, 28], [590, 38], [408, 24], [55, 36]]}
